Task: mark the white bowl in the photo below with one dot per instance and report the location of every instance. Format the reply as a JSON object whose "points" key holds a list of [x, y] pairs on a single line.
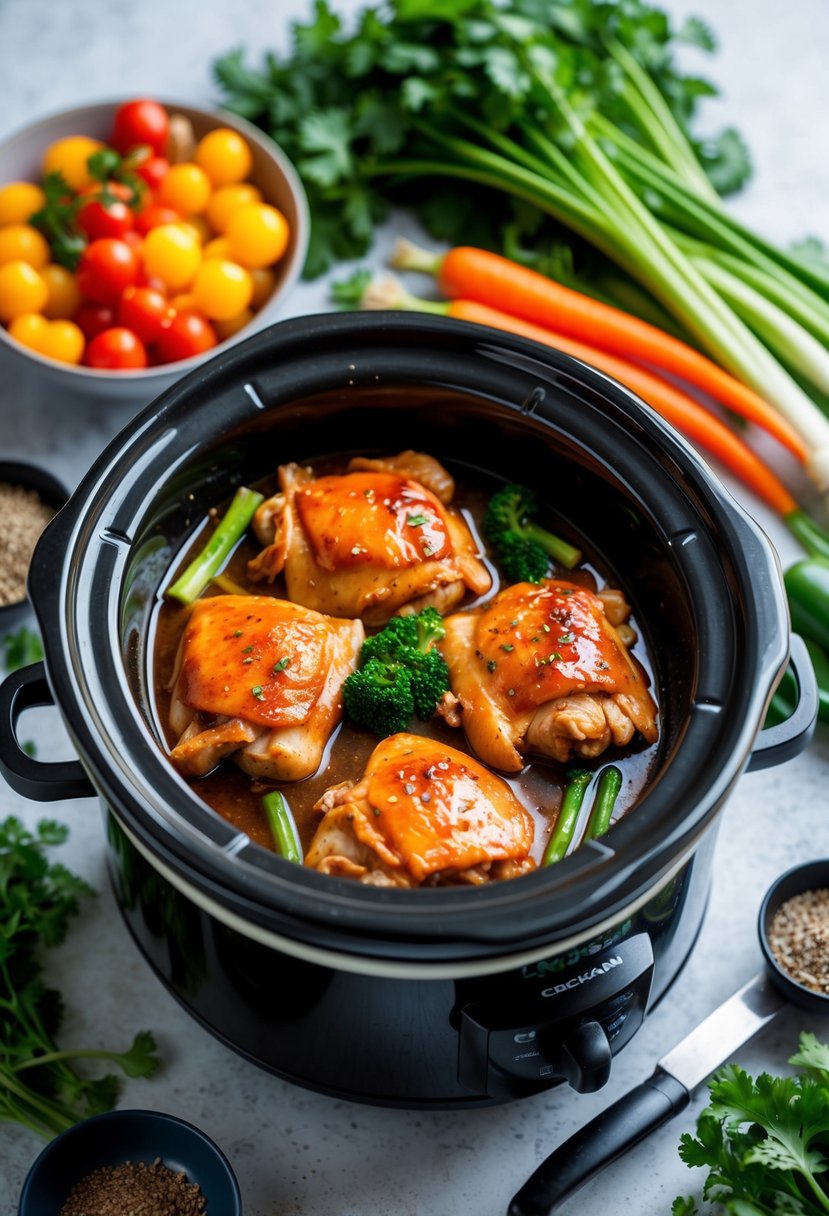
{"points": [[21, 157]]}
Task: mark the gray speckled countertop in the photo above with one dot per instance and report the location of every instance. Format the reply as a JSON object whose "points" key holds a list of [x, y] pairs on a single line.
{"points": [[296, 1152]]}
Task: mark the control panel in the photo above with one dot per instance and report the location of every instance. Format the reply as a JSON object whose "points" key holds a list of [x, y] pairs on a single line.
{"points": [[568, 1027]]}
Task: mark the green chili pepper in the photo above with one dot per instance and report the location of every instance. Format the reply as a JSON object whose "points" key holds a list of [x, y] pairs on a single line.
{"points": [[807, 589], [785, 698]]}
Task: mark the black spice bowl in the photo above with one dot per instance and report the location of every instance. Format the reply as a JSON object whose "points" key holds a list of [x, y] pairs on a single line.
{"points": [[130, 1135], [52, 493], [811, 876]]}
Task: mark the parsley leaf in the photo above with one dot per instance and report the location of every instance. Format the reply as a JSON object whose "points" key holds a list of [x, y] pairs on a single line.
{"points": [[39, 1086]]}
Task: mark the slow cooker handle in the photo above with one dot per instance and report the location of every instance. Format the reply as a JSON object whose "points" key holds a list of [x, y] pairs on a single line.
{"points": [[787, 739], [25, 689]]}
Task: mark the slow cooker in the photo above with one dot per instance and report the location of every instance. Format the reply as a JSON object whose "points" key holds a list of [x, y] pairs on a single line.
{"points": [[420, 998]]}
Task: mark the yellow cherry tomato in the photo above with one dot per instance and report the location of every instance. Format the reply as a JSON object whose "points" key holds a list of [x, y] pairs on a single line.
{"points": [[23, 243], [186, 188], [183, 302], [264, 281], [172, 253], [64, 296], [226, 329], [227, 199], [258, 234], [200, 226], [22, 290], [28, 329], [18, 201], [221, 289], [224, 156], [219, 247], [64, 341], [69, 157]]}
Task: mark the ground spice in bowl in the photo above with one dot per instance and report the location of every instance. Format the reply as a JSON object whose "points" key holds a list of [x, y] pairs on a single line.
{"points": [[799, 939], [134, 1188], [23, 515]]}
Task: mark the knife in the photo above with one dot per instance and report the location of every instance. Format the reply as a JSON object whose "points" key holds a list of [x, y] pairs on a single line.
{"points": [[649, 1105]]}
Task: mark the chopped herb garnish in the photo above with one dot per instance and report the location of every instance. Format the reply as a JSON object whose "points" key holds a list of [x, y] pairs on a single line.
{"points": [[546, 627], [417, 521], [491, 665], [247, 650], [428, 551], [566, 639], [535, 639], [257, 692], [282, 664], [237, 633], [507, 647]]}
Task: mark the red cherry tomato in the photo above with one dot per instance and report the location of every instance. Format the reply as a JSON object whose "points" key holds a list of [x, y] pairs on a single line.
{"points": [[106, 267], [144, 311], [115, 349], [93, 319], [154, 216], [153, 170], [98, 218], [187, 334], [141, 122]]}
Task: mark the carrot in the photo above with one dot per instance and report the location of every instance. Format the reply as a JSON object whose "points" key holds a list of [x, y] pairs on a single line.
{"points": [[695, 422], [476, 275]]}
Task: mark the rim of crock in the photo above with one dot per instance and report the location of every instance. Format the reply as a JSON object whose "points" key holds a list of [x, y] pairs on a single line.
{"points": [[88, 544]]}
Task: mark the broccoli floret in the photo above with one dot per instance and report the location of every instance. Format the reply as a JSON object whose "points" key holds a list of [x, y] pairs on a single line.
{"points": [[379, 696], [400, 674], [522, 547]]}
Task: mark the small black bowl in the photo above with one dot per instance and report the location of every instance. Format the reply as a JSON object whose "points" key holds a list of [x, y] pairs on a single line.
{"points": [[129, 1135], [808, 876], [53, 493]]}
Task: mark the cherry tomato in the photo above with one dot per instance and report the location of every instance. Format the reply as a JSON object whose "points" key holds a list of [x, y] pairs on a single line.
{"points": [[93, 319], [258, 234], [106, 267], [153, 170], [70, 157], [141, 122], [154, 216], [225, 200], [22, 290], [64, 296], [221, 289], [28, 329], [224, 156], [187, 334], [144, 311], [23, 243], [186, 187], [62, 340], [18, 201], [226, 329], [98, 218], [173, 254], [116, 348], [264, 281], [219, 247]]}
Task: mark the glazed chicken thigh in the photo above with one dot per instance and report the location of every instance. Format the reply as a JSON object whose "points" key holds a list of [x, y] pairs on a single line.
{"points": [[259, 679], [422, 814], [371, 542], [543, 670]]}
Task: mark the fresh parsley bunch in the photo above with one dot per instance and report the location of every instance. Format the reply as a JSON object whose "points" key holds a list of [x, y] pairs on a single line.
{"points": [[765, 1140], [39, 1086]]}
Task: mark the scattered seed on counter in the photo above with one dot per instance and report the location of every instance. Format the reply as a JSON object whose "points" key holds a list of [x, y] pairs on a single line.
{"points": [[799, 939], [23, 516], [135, 1188]]}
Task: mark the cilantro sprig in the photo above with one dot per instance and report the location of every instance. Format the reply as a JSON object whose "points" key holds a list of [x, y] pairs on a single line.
{"points": [[764, 1140], [352, 104], [39, 1086]]}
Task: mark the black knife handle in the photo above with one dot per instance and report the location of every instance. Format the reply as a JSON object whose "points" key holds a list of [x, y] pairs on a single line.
{"points": [[599, 1142]]}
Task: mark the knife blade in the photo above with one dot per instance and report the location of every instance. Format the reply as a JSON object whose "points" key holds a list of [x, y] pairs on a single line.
{"points": [[649, 1105]]}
